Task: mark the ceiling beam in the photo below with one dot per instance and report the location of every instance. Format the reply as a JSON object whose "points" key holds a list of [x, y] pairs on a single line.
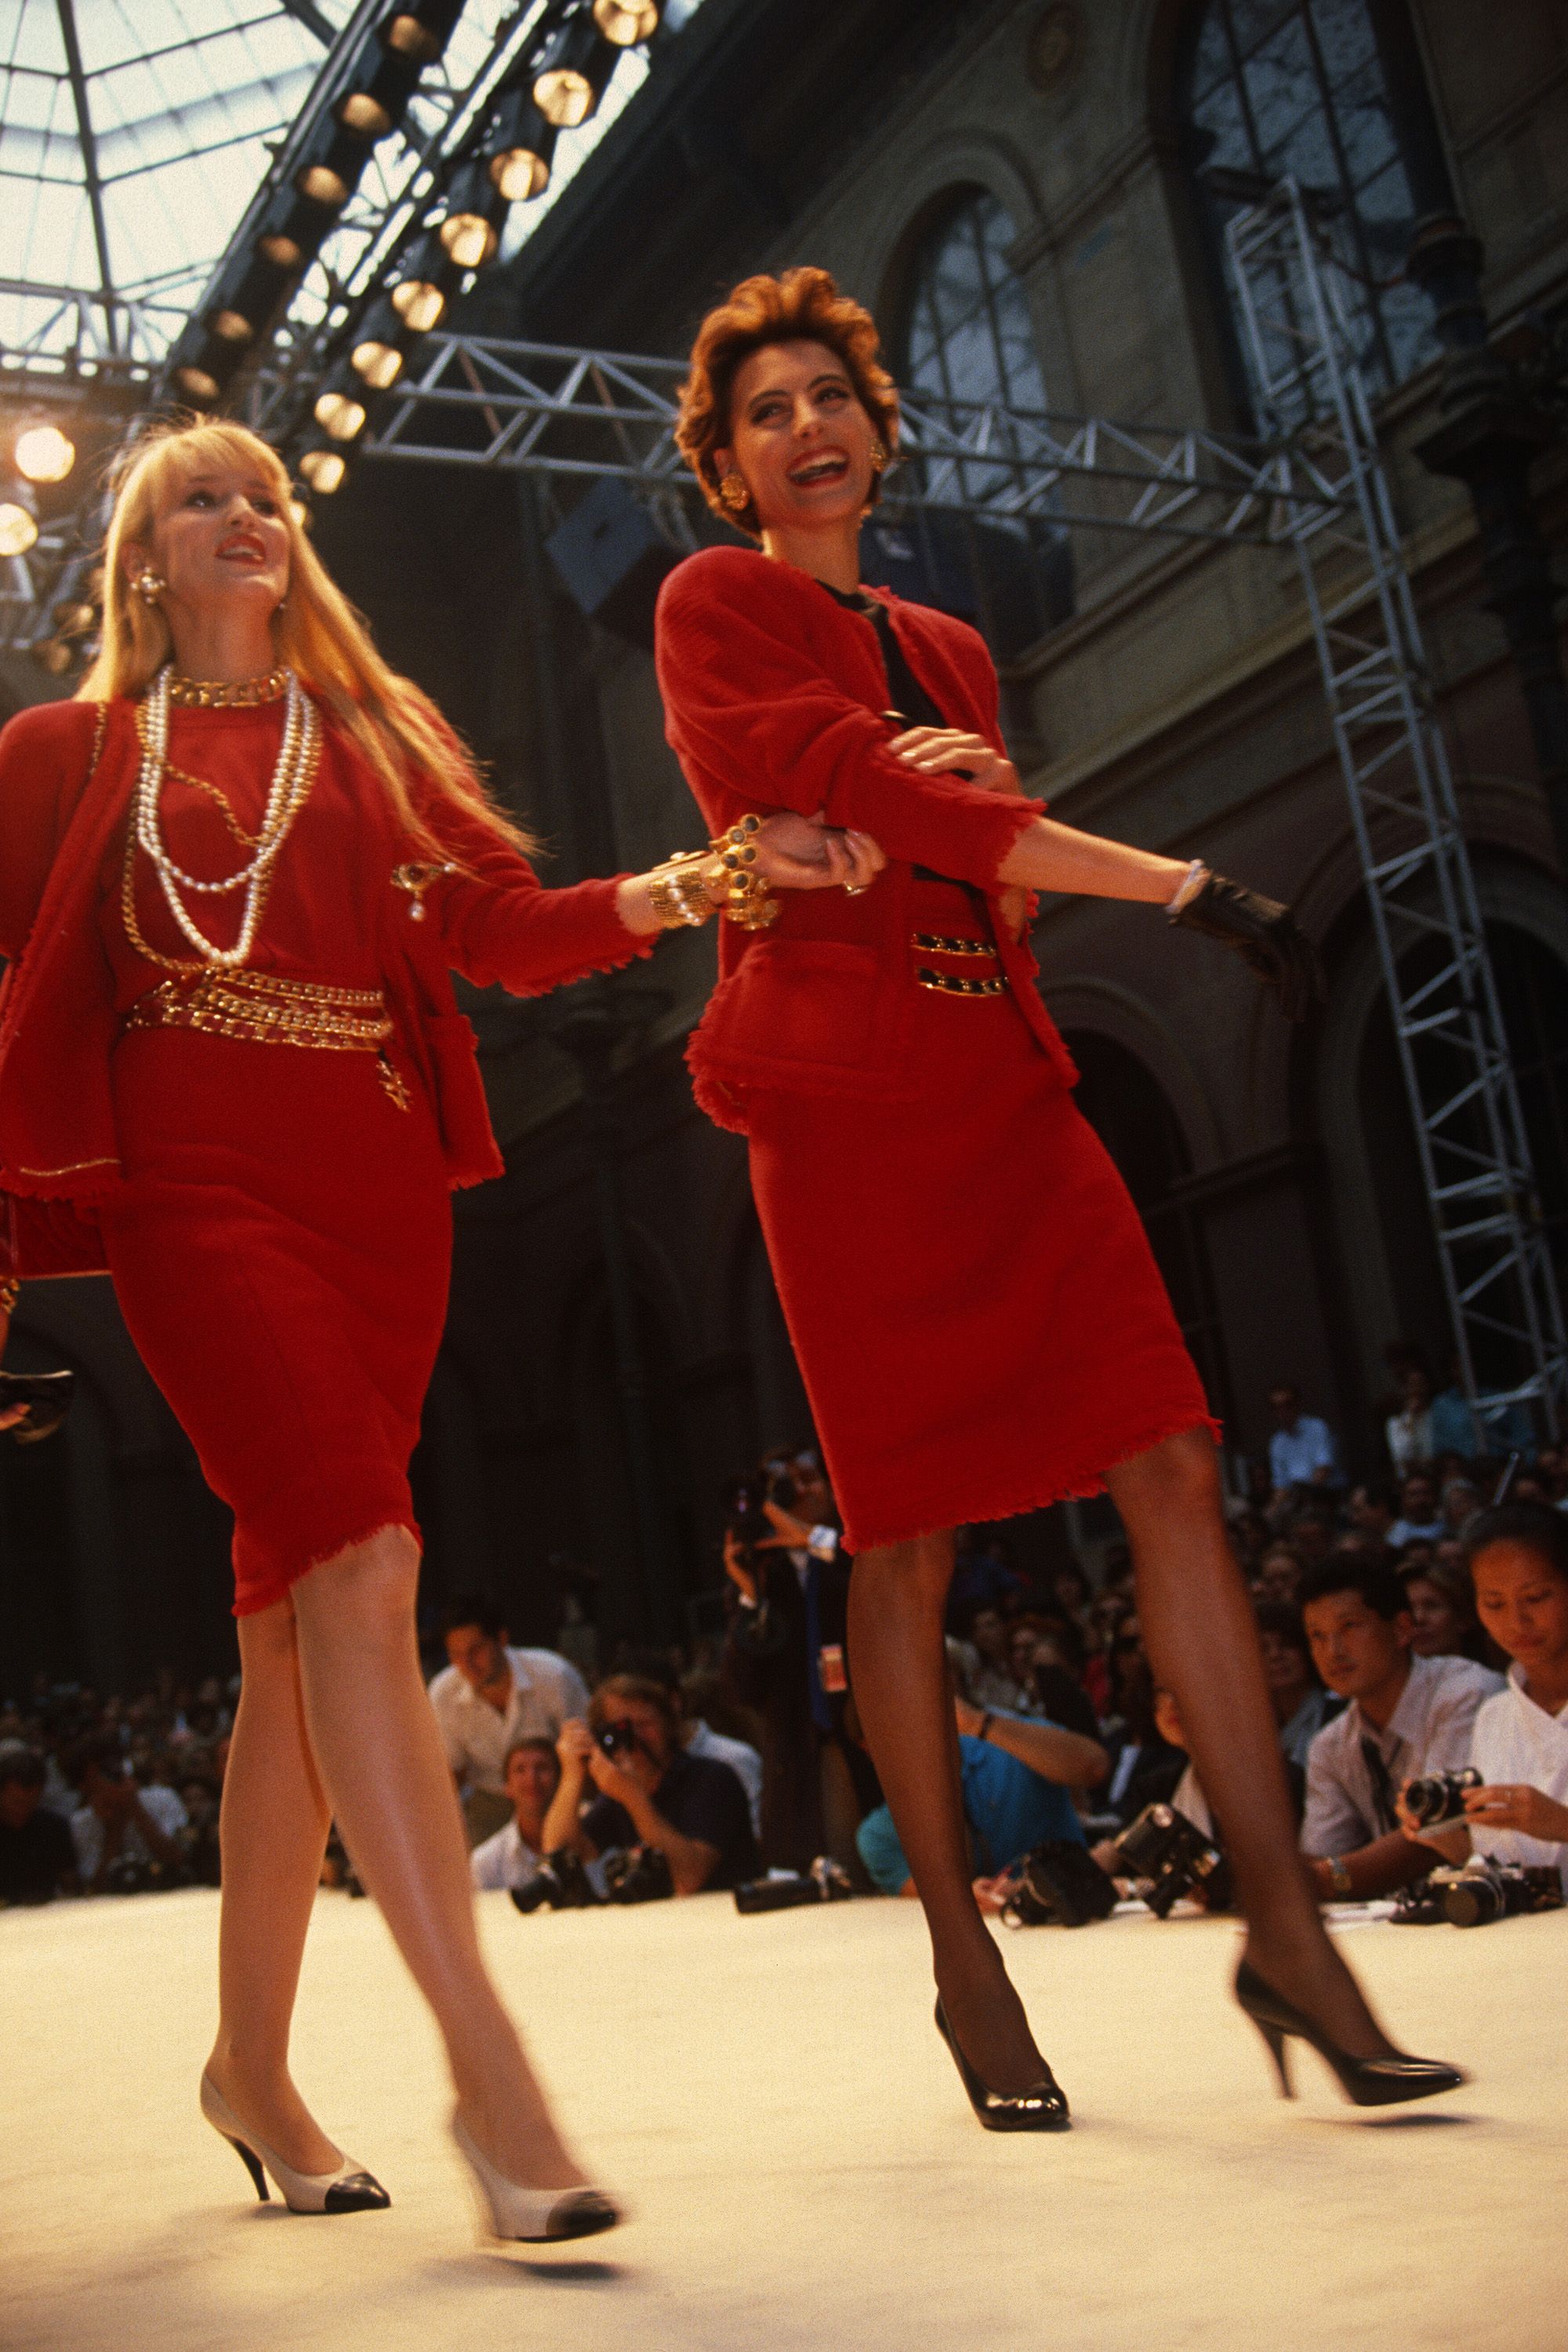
{"points": [[304, 12], [94, 185]]}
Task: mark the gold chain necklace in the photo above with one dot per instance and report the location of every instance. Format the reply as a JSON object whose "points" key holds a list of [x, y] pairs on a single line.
{"points": [[227, 694]]}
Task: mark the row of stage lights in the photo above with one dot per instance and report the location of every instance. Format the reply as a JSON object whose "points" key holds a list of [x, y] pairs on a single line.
{"points": [[558, 90], [41, 455]]}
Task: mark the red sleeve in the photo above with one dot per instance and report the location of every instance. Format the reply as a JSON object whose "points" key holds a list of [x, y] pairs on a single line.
{"points": [[44, 756], [501, 928], [753, 706]]}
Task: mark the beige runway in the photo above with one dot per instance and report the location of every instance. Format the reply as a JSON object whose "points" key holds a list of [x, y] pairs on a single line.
{"points": [[770, 2098]]}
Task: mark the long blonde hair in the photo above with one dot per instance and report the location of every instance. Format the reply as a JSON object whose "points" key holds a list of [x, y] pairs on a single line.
{"points": [[317, 632]]}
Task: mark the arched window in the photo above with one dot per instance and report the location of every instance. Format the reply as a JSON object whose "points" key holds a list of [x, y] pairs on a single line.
{"points": [[967, 338], [1276, 89]]}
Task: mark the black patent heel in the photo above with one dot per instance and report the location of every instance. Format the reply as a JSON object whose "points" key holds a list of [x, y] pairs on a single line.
{"points": [[1388, 2082], [1041, 2108], [253, 2166]]}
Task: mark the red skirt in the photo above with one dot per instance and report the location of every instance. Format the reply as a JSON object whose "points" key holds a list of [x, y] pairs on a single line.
{"points": [[974, 1303], [282, 1251]]}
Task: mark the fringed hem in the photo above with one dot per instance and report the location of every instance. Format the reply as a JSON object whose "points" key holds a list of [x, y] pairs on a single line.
{"points": [[251, 1605], [640, 945], [1068, 1487]]}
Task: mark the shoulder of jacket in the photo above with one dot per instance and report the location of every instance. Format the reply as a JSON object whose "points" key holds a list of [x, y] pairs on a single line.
{"points": [[716, 574], [46, 727]]}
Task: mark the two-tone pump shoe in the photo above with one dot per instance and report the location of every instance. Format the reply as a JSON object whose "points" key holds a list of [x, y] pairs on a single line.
{"points": [[1366, 2082], [349, 2189], [1043, 2108], [514, 2215]]}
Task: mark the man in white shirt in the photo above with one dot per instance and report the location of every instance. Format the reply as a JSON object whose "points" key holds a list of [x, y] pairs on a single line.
{"points": [[1404, 1716], [510, 1858], [487, 1698], [1419, 1521], [1301, 1452], [118, 1821]]}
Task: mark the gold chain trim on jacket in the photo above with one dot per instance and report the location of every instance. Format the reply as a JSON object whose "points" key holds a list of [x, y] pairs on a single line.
{"points": [[938, 943], [265, 1009], [952, 983]]}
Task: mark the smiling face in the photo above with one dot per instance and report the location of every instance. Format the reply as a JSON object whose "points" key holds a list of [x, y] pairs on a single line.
{"points": [[220, 541], [1522, 1601], [532, 1777], [799, 439]]}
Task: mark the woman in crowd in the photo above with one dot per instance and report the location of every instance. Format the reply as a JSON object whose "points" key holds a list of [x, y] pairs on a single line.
{"points": [[249, 835], [1300, 1703], [1518, 1557], [975, 1307]]}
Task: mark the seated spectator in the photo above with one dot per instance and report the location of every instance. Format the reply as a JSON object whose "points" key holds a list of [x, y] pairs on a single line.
{"points": [[1374, 1508], [1070, 1593], [1249, 1534], [689, 1695], [1301, 1704], [126, 1837], [1498, 1429], [649, 1792], [491, 1696], [1144, 1766], [1461, 1501], [1442, 1620], [510, 1858], [1419, 1521], [38, 1857], [201, 1853], [991, 1681], [1017, 1779], [1278, 1576], [1312, 1536], [1408, 1432], [1404, 1716], [1302, 1456], [1519, 1560]]}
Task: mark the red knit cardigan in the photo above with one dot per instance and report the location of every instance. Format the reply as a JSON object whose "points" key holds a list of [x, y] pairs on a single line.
{"points": [[773, 694], [60, 814]]}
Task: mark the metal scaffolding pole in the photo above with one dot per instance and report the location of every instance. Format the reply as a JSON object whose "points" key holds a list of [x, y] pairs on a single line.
{"points": [[1474, 1149]]}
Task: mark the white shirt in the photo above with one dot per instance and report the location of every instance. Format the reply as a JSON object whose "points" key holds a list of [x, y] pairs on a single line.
{"points": [[1429, 1731], [162, 1806], [1191, 1802], [1409, 1437], [505, 1860], [1296, 1453], [544, 1691], [1516, 1745], [743, 1759]]}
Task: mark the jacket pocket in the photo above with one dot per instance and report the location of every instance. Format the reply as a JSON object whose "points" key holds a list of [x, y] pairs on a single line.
{"points": [[460, 1108], [809, 1014]]}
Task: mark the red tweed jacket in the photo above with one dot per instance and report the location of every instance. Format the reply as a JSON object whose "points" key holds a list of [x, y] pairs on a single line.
{"points": [[773, 693], [60, 816]]}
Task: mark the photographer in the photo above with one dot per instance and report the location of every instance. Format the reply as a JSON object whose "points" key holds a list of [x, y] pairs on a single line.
{"points": [[649, 1792], [511, 1857], [1518, 1558], [1404, 1716], [37, 1859], [1017, 1776], [127, 1838]]}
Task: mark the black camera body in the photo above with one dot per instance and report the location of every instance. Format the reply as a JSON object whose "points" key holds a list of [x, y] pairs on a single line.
{"points": [[638, 1873], [788, 1889], [1436, 1801], [617, 1738], [745, 1520], [559, 1882], [1479, 1893], [1059, 1884], [1170, 1856]]}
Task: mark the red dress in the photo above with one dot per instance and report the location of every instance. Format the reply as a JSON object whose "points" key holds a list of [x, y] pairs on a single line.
{"points": [[278, 1230], [978, 1317]]}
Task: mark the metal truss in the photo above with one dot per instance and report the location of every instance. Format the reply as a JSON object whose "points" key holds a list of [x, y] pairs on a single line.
{"points": [[469, 400], [1475, 1153]]}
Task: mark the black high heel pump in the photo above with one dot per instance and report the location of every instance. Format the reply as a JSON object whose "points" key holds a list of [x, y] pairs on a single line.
{"points": [[1365, 2082], [1041, 2108]]}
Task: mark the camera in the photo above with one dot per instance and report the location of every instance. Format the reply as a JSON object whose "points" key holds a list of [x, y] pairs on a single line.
{"points": [[1486, 1891], [745, 1520], [560, 1882], [1436, 1801], [617, 1739], [1169, 1857], [784, 1890], [1059, 1884], [638, 1873]]}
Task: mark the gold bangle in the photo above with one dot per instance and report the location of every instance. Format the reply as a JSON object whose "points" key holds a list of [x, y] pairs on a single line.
{"points": [[10, 1291], [750, 903], [678, 891]]}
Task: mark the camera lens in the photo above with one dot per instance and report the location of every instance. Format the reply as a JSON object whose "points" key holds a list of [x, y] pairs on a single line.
{"points": [[1474, 1903]]}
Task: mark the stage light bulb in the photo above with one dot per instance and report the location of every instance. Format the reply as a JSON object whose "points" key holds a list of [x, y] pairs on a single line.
{"points": [[564, 97], [379, 363], [45, 454], [54, 655], [418, 304], [322, 186], [74, 620], [468, 238], [231, 326], [17, 529], [324, 470], [626, 22], [301, 513], [410, 38], [519, 174], [338, 414], [197, 386], [281, 251], [364, 115]]}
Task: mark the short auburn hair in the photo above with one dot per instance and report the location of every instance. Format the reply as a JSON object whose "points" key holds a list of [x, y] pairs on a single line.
{"points": [[803, 306]]}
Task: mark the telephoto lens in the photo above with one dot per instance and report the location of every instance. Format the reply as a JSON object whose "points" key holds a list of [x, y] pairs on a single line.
{"points": [[1438, 1802]]}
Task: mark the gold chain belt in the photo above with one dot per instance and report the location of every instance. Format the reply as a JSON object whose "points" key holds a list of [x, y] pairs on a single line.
{"points": [[938, 943], [266, 1010], [956, 983]]}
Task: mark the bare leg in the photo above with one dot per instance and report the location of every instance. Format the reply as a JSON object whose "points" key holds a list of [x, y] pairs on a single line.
{"points": [[380, 1760], [1202, 1644], [274, 1832], [898, 1596]]}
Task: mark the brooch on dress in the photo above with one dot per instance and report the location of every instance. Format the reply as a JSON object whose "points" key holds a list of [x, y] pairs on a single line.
{"points": [[416, 880]]}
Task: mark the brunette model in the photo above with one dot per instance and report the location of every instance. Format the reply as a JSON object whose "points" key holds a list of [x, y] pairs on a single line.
{"points": [[976, 1312], [233, 886]]}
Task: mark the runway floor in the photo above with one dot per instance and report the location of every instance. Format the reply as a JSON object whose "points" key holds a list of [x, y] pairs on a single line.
{"points": [[770, 2098]]}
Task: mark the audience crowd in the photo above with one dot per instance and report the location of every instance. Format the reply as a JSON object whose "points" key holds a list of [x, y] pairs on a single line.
{"points": [[1386, 1659]]}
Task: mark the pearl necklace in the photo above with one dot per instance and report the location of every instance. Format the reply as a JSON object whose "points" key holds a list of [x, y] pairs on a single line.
{"points": [[291, 781]]}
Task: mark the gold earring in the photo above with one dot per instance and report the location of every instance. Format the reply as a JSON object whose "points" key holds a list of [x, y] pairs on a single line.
{"points": [[732, 491], [878, 456], [150, 585]]}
